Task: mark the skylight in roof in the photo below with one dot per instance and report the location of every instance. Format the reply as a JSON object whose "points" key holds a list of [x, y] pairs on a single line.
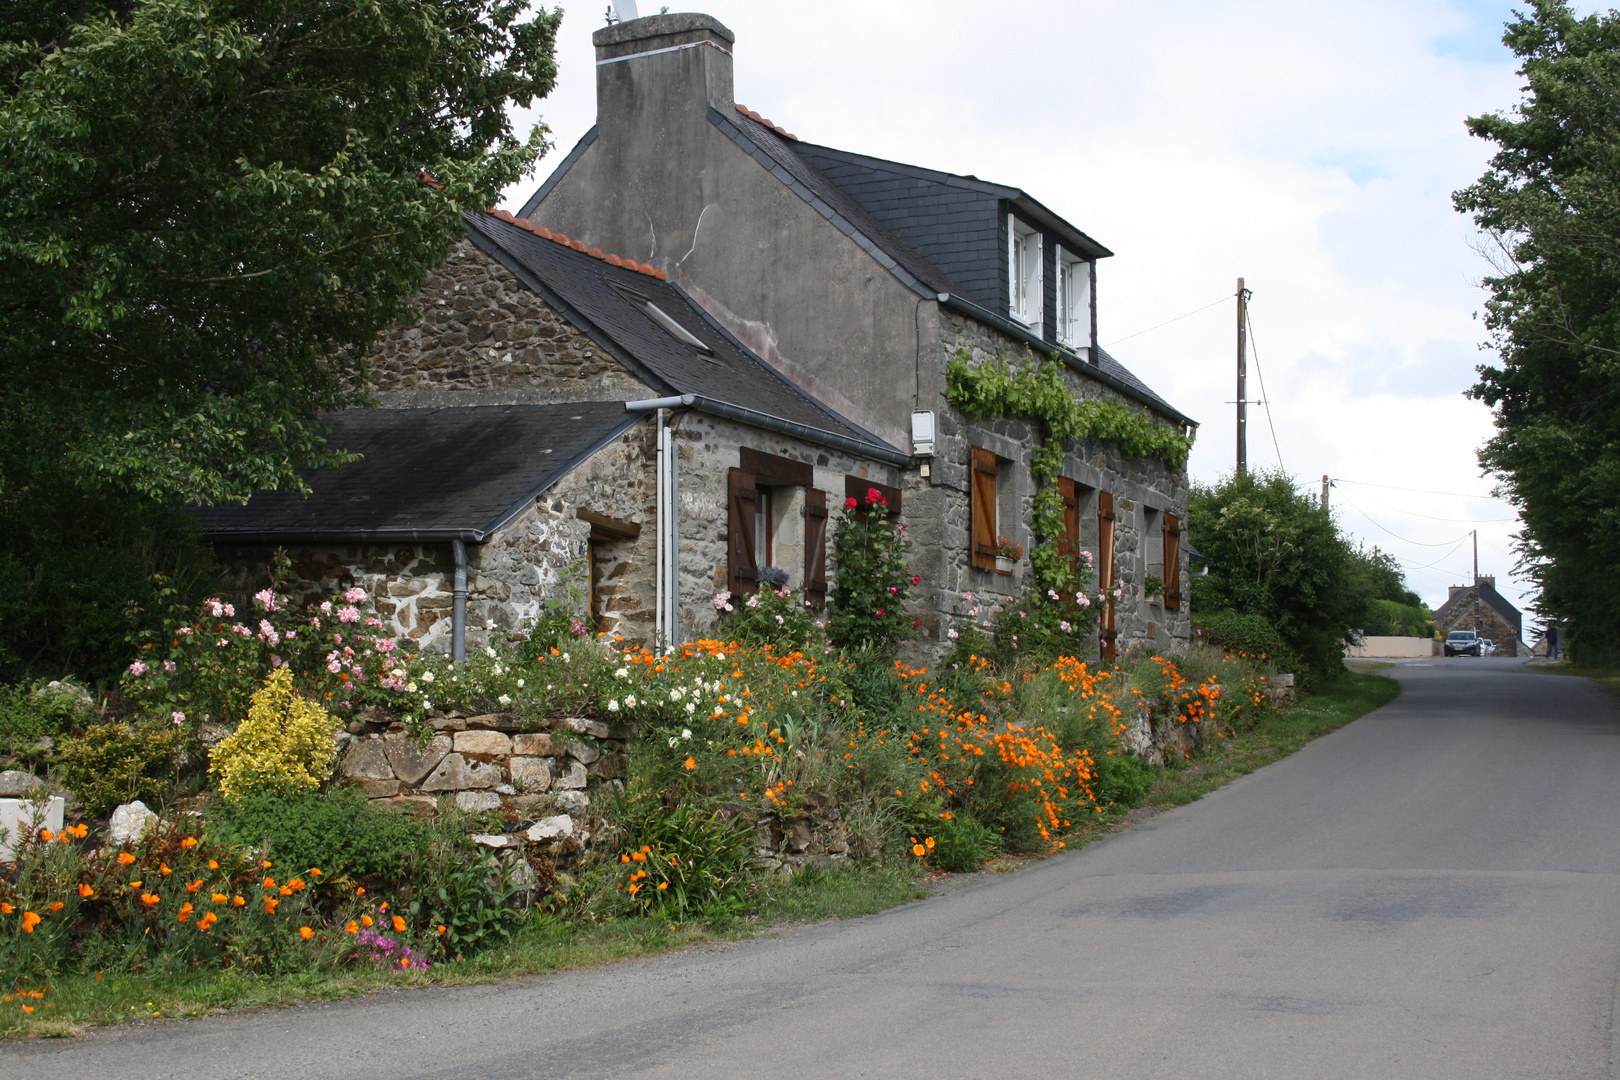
{"points": [[682, 334]]}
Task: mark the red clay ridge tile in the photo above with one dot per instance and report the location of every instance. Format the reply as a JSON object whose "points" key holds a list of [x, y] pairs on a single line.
{"points": [[758, 119], [578, 245]]}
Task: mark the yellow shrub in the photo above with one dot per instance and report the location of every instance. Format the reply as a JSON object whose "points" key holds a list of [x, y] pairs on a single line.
{"points": [[285, 742]]}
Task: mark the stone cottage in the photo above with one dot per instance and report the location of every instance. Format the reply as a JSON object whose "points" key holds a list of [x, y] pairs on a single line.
{"points": [[639, 430], [1480, 608]]}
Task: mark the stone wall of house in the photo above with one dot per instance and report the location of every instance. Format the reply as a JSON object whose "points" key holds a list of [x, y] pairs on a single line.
{"points": [[1467, 611], [481, 332], [1143, 489]]}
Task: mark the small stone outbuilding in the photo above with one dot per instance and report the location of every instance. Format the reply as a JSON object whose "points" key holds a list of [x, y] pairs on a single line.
{"points": [[1480, 608]]}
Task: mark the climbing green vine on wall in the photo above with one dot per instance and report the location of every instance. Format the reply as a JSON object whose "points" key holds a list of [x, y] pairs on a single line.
{"points": [[1037, 391]]}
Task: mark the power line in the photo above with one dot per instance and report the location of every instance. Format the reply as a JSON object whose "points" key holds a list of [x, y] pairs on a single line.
{"points": [[1437, 562], [1432, 517], [1422, 491], [1265, 398], [1398, 536], [1167, 322]]}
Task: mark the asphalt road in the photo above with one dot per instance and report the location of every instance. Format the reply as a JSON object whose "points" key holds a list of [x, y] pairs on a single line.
{"points": [[1429, 892]]}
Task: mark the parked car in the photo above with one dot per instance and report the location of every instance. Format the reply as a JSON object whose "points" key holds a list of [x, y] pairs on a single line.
{"points": [[1487, 647], [1464, 643]]}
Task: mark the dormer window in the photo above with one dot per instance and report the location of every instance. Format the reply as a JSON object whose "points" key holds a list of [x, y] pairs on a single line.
{"points": [[1073, 300], [1024, 291]]}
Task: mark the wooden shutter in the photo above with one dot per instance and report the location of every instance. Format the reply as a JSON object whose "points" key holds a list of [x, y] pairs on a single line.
{"points": [[982, 499], [1069, 546], [1172, 563], [815, 547], [742, 572], [1105, 571], [856, 488]]}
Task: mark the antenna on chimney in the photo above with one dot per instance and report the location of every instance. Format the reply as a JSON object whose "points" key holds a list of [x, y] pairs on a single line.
{"points": [[622, 11]]}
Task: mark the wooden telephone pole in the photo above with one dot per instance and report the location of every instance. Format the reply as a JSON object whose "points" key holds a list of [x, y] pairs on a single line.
{"points": [[1242, 379]]}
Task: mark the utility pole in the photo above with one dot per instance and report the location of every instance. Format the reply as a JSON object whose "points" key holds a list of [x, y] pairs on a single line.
{"points": [[1476, 556], [1325, 484], [1242, 379]]}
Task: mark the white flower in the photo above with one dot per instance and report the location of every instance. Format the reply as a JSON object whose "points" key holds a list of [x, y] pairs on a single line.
{"points": [[630, 701], [795, 693], [427, 676], [410, 687], [673, 742], [676, 694], [499, 670], [1064, 626], [567, 659], [690, 708], [952, 634], [520, 684], [489, 652], [504, 700], [613, 706], [686, 733], [622, 673]]}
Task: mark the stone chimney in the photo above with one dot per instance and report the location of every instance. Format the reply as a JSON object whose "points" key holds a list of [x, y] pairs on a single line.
{"points": [[649, 71], [1485, 579]]}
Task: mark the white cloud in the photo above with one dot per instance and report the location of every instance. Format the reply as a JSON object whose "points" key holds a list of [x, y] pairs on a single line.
{"points": [[1311, 148]]}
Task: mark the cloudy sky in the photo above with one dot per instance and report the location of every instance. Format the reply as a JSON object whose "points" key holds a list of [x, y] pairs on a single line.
{"points": [[1310, 148]]}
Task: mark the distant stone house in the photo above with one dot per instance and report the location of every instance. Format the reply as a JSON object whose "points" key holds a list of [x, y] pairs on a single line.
{"points": [[1480, 608], [779, 320]]}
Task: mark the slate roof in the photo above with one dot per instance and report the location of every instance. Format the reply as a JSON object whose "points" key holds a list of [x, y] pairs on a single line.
{"points": [[1493, 599], [605, 301], [427, 474]]}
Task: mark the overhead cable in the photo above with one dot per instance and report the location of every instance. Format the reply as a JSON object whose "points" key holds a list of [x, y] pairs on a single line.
{"points": [[1167, 322]]}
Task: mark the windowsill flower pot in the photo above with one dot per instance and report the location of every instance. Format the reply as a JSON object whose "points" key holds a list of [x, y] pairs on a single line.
{"points": [[1004, 565]]}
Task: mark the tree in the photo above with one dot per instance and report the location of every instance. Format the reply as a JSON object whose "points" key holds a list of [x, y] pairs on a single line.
{"points": [[208, 211], [210, 208], [1550, 207], [1274, 553]]}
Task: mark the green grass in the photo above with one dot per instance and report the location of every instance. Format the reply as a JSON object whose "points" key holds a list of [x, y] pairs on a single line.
{"points": [[76, 1002]]}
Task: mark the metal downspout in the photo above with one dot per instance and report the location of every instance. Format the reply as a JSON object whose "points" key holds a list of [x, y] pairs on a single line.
{"points": [[458, 607]]}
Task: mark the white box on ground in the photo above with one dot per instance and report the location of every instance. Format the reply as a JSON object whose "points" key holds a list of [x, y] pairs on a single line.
{"points": [[19, 815]]}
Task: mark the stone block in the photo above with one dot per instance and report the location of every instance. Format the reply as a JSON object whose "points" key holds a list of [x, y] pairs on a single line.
{"points": [[129, 823], [476, 802], [537, 746], [610, 766], [571, 777], [501, 721], [532, 774], [412, 761], [447, 723], [560, 827], [380, 789], [15, 784], [416, 805], [456, 773], [497, 840], [579, 725], [367, 761], [492, 743], [583, 751], [18, 816]]}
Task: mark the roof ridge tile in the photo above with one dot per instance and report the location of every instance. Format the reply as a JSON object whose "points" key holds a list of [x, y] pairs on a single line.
{"points": [[578, 245], [758, 119]]}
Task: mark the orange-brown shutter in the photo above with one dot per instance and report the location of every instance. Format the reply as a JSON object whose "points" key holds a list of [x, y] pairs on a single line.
{"points": [[1069, 546], [1105, 571], [1172, 563], [742, 572], [982, 473], [815, 547]]}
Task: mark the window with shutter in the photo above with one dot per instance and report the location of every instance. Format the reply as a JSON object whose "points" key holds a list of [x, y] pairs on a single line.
{"points": [[815, 547], [1105, 570], [742, 571], [1069, 546], [982, 507], [1172, 562], [857, 488]]}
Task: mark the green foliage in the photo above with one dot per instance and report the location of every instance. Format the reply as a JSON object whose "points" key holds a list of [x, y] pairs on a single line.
{"points": [[30, 713], [769, 616], [1122, 779], [114, 763], [1388, 618], [962, 843], [872, 583], [683, 860], [280, 149], [81, 572], [473, 898], [339, 830], [1550, 206], [1243, 633], [1274, 553], [1038, 391]]}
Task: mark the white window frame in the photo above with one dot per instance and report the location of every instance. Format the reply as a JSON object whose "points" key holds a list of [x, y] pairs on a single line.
{"points": [[1025, 265], [1073, 300]]}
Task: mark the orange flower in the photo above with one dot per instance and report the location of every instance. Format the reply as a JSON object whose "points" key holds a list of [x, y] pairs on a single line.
{"points": [[6, 909], [918, 850], [207, 920], [150, 899], [86, 891], [28, 1008], [136, 884], [265, 864], [442, 928], [125, 858], [213, 864], [360, 890], [314, 871], [399, 925], [269, 883], [81, 831], [634, 889], [691, 763], [270, 905], [352, 928], [296, 883], [30, 920], [285, 891], [46, 835], [663, 885], [164, 869], [365, 920], [195, 885], [57, 905], [189, 842], [624, 858], [185, 912], [305, 932], [238, 902], [638, 856], [219, 898]]}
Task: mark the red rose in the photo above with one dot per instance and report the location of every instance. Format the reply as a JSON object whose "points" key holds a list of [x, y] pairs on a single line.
{"points": [[916, 579], [849, 503], [873, 495], [880, 612]]}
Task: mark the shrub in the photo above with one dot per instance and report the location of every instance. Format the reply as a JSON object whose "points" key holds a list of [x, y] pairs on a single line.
{"points": [[683, 860], [1122, 779], [339, 830], [770, 616], [114, 763], [961, 843], [868, 599], [285, 742], [1250, 635], [28, 714], [471, 896]]}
